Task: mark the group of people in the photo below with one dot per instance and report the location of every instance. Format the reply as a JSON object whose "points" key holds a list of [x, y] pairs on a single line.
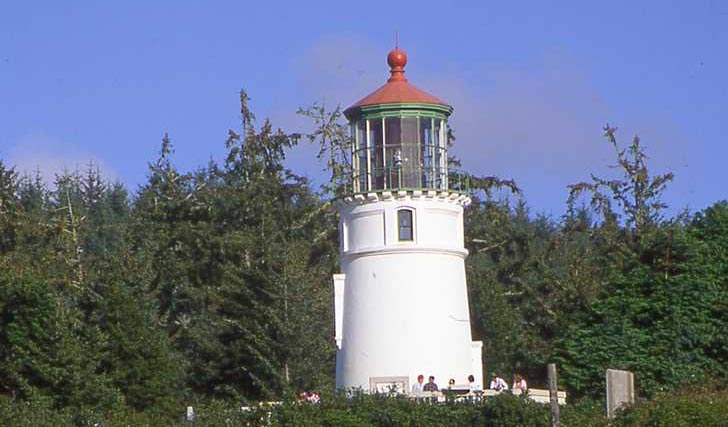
{"points": [[308, 397], [499, 384], [420, 386], [496, 383]]}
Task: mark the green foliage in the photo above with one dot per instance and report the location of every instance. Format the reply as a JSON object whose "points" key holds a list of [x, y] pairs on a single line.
{"points": [[704, 406], [334, 141], [584, 413], [501, 268], [33, 413], [381, 411], [637, 194], [647, 295], [660, 321], [9, 207], [658, 312], [215, 284], [528, 280], [227, 253], [138, 354], [41, 413], [46, 352], [695, 406]]}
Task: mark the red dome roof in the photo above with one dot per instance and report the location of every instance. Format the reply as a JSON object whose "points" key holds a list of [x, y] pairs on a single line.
{"points": [[397, 90]]}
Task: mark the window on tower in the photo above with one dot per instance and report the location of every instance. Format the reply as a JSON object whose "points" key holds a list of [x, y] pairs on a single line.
{"points": [[404, 223]]}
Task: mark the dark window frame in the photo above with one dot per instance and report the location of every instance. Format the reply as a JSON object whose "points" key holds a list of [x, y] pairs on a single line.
{"points": [[405, 225]]}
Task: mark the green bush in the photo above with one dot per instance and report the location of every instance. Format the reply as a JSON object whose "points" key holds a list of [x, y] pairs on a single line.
{"points": [[704, 407], [584, 413], [38, 413], [695, 406], [379, 411]]}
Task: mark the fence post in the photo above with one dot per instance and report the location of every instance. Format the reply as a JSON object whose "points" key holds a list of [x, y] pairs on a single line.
{"points": [[554, 395]]}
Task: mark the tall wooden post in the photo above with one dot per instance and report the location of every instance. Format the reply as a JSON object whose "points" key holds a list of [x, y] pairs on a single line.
{"points": [[554, 396]]}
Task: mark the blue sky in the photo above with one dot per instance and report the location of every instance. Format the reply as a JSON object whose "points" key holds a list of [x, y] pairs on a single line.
{"points": [[532, 83]]}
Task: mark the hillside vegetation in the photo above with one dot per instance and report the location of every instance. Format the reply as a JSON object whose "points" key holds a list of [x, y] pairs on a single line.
{"points": [[214, 285]]}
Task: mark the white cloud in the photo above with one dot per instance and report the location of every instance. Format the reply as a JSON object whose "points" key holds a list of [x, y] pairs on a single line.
{"points": [[336, 70], [539, 121], [48, 156], [340, 70], [540, 124]]}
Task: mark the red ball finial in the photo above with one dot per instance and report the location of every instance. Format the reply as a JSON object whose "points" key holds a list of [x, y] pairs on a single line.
{"points": [[397, 59]]}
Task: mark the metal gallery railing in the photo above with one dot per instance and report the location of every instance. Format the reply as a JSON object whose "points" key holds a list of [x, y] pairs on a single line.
{"points": [[404, 178]]}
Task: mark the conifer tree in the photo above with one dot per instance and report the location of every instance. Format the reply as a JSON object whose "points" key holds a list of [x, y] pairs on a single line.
{"points": [[9, 208]]}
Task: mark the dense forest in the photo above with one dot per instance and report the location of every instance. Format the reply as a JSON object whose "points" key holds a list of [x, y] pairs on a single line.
{"points": [[215, 283]]}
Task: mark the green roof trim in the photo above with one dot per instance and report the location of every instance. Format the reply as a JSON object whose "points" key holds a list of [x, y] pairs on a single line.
{"points": [[399, 109]]}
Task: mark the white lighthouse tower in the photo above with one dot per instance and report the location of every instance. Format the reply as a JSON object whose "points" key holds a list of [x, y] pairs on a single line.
{"points": [[401, 304]]}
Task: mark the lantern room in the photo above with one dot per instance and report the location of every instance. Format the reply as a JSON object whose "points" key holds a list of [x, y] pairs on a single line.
{"points": [[399, 136]]}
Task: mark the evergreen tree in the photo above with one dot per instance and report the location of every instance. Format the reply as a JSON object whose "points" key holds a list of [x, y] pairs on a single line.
{"points": [[262, 202], [9, 208], [43, 352], [138, 353], [655, 314]]}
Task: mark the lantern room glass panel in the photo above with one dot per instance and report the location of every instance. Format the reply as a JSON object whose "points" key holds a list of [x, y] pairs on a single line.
{"points": [[410, 173], [440, 155], [393, 150], [400, 152], [361, 162], [376, 153], [428, 152]]}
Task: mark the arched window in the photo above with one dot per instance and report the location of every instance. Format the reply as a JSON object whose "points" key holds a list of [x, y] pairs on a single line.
{"points": [[404, 225]]}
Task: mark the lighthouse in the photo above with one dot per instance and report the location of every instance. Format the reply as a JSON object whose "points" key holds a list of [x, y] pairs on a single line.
{"points": [[401, 302]]}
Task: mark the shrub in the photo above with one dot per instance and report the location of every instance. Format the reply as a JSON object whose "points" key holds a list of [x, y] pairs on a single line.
{"points": [[694, 406], [584, 413], [38, 413], [706, 407]]}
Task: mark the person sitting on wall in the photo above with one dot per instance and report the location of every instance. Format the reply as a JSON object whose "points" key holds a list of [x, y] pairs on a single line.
{"points": [[308, 397], [471, 383], [430, 386], [497, 383], [417, 388], [451, 383], [312, 397], [519, 383]]}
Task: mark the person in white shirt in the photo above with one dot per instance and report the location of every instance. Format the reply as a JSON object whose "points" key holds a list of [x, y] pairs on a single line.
{"points": [[417, 387], [497, 383], [471, 383]]}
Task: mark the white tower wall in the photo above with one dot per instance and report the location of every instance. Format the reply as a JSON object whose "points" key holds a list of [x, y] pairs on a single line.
{"points": [[404, 309]]}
